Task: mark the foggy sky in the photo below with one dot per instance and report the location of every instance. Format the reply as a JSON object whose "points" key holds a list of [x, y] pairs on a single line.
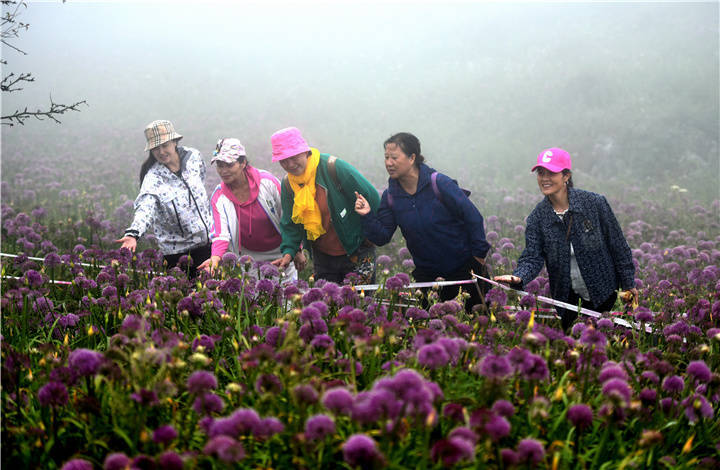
{"points": [[485, 86]]}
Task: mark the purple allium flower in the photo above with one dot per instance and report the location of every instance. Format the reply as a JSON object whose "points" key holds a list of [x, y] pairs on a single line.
{"points": [[497, 427], [530, 451], [593, 338], [696, 406], [310, 313], [673, 384], [361, 450], [246, 420], [268, 383], [201, 381], [226, 448], [534, 367], [509, 457], [612, 371], [452, 450], [52, 260], [338, 400], [33, 278], [268, 427], [643, 315], [433, 356], [85, 361], [319, 426], [312, 295], [648, 395], [496, 297], [322, 342], [208, 403], [170, 461], [77, 464], [650, 376], [164, 434], [605, 324], [495, 367], [53, 394], [205, 341], [617, 388], [116, 461], [580, 416], [463, 432], [503, 408], [305, 394], [700, 371], [454, 412], [383, 260]]}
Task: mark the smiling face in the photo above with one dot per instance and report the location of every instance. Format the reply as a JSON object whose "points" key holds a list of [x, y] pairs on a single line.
{"points": [[231, 173], [296, 164], [397, 163], [166, 154], [551, 183]]}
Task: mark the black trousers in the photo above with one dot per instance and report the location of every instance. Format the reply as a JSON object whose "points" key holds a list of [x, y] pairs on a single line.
{"points": [[450, 292], [569, 316], [197, 256]]}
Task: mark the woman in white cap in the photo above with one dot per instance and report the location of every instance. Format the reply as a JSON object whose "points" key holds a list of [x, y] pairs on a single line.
{"points": [[246, 210], [172, 200], [575, 234]]}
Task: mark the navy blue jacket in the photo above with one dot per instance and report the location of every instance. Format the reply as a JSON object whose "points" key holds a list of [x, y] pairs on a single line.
{"points": [[601, 251], [442, 236]]}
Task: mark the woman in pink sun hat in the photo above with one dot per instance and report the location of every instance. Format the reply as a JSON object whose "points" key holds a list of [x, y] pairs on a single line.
{"points": [[318, 200], [246, 210], [575, 234]]}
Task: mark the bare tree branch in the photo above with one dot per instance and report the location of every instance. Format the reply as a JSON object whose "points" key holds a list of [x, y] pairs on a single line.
{"points": [[8, 81], [19, 117], [10, 29]]}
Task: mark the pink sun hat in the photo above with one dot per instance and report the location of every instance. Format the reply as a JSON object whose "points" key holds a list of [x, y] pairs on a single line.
{"points": [[287, 143], [554, 159]]}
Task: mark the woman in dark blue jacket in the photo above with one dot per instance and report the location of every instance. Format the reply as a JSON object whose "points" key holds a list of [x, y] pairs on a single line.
{"points": [[442, 228], [575, 234]]}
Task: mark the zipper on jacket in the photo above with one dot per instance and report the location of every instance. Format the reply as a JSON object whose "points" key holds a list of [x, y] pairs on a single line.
{"points": [[182, 232]]}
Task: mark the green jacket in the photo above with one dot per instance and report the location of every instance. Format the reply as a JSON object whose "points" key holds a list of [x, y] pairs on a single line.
{"points": [[347, 223]]}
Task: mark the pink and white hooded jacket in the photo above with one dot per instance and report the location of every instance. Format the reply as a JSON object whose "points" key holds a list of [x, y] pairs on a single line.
{"points": [[228, 212]]}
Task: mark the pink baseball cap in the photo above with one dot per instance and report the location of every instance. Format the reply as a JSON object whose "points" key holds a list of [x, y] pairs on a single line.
{"points": [[228, 150], [554, 159], [287, 143]]}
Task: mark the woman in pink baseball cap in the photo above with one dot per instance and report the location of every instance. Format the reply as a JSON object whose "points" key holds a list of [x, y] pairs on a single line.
{"points": [[575, 234]]}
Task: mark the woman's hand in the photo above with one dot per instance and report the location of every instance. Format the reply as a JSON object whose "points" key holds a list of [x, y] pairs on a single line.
{"points": [[283, 262], [507, 279], [300, 260], [128, 242], [210, 264], [362, 207]]}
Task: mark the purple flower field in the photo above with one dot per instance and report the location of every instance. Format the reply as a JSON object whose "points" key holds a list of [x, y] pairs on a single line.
{"points": [[109, 361]]}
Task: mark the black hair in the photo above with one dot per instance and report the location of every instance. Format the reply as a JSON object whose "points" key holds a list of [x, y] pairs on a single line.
{"points": [[150, 161], [409, 144], [569, 183]]}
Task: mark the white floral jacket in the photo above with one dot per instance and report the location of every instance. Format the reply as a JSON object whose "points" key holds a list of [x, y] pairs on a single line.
{"points": [[175, 206]]}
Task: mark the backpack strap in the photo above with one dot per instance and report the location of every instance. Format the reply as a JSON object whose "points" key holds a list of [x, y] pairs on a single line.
{"points": [[333, 173], [285, 185]]}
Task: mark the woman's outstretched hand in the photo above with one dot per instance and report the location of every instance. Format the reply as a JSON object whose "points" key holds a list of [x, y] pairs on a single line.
{"points": [[210, 264], [507, 279], [362, 207], [128, 242]]}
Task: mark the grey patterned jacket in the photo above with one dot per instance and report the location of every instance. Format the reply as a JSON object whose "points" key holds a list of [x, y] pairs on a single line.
{"points": [[175, 207], [602, 254]]}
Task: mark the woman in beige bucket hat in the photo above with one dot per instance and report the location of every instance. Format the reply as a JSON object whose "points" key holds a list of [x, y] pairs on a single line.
{"points": [[172, 199]]}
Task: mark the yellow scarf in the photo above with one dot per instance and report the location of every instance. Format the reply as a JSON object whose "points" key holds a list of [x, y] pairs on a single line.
{"points": [[305, 208]]}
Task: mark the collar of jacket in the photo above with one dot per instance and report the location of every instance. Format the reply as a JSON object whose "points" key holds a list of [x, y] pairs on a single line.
{"points": [[576, 205], [423, 180]]}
